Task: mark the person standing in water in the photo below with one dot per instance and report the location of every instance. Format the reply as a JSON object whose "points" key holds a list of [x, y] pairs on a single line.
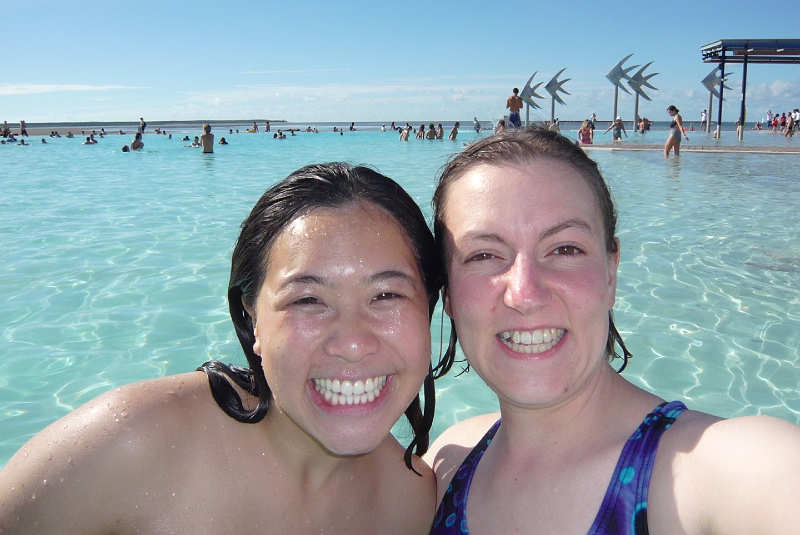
{"points": [[676, 132], [514, 104], [207, 139]]}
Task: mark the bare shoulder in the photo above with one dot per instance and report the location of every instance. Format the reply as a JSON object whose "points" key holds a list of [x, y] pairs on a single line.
{"points": [[97, 454], [452, 447], [407, 498], [720, 473]]}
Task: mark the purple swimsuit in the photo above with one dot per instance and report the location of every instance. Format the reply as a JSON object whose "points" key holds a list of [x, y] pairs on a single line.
{"points": [[624, 508]]}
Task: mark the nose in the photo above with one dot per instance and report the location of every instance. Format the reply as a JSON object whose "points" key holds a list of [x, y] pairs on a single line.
{"points": [[352, 337], [525, 288]]}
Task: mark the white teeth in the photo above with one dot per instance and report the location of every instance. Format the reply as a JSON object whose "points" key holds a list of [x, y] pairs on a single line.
{"points": [[346, 392], [531, 342], [347, 388]]}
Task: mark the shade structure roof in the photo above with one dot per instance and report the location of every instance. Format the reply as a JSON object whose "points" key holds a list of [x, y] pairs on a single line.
{"points": [[775, 51]]}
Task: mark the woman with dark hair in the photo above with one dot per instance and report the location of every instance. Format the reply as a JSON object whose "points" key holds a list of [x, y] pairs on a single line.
{"points": [[676, 132], [334, 278], [527, 229]]}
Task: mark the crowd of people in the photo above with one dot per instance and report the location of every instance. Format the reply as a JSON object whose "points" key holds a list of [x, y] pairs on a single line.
{"points": [[787, 123]]}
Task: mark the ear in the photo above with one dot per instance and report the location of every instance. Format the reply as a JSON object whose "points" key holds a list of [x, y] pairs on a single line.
{"points": [[446, 302], [613, 266], [257, 342]]}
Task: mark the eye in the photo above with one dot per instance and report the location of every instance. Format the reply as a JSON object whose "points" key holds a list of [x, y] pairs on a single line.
{"points": [[383, 296], [479, 257], [307, 301], [567, 250]]}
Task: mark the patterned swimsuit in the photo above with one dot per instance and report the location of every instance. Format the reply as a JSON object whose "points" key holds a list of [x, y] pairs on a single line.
{"points": [[624, 508]]}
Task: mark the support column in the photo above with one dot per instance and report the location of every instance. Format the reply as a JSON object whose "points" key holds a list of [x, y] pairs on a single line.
{"points": [[708, 115], [743, 112], [721, 90]]}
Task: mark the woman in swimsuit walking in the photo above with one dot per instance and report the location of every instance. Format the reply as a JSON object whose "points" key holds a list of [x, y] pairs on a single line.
{"points": [[675, 132], [578, 449]]}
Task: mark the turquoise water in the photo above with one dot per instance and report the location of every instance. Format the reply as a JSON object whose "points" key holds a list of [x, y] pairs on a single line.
{"points": [[114, 267]]}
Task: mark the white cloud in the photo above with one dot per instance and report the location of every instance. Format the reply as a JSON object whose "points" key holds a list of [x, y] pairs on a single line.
{"points": [[31, 89]]}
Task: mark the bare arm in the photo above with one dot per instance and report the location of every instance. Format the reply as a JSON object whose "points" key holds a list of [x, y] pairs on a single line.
{"points": [[100, 469], [738, 476]]}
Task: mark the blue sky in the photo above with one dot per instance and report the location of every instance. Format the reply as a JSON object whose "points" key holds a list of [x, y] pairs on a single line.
{"points": [[371, 60]]}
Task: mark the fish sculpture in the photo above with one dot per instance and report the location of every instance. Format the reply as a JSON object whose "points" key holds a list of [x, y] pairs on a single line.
{"points": [[638, 80], [617, 74], [554, 85]]}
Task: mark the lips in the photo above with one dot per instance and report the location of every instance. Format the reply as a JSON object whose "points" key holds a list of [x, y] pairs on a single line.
{"points": [[531, 342], [344, 392]]}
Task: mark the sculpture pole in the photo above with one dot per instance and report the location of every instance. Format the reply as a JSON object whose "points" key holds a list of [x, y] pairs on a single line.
{"points": [[637, 82]]}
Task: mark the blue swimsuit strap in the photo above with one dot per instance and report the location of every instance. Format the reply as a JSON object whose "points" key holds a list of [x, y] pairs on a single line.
{"points": [[624, 508]]}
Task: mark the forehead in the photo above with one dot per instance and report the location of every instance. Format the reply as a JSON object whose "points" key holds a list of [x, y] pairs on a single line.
{"points": [[362, 234], [523, 191]]}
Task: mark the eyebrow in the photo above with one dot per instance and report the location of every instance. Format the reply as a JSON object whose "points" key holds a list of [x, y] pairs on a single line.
{"points": [[546, 233], [569, 223], [371, 279]]}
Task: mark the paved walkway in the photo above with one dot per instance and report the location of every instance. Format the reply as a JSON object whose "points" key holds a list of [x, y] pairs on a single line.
{"points": [[695, 148]]}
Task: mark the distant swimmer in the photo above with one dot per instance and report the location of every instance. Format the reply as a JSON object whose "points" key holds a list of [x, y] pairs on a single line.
{"points": [[617, 129], [43, 141], [69, 135], [431, 132], [7, 129], [22, 143], [196, 143], [267, 127], [454, 132], [383, 128], [185, 138], [125, 148], [421, 132], [207, 139], [501, 126], [88, 141], [440, 131], [585, 133], [352, 127], [393, 127], [142, 125], [23, 129], [404, 133], [222, 141], [476, 124], [254, 129], [137, 143], [514, 104]]}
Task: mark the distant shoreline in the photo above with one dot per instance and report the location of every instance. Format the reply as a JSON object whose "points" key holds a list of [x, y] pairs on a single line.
{"points": [[241, 125]]}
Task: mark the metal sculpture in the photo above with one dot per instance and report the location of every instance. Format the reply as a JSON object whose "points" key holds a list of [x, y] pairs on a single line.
{"points": [[553, 87], [527, 95], [616, 75], [636, 82], [711, 82]]}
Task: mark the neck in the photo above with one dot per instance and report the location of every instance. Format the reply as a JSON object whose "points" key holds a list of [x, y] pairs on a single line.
{"points": [[604, 407], [304, 460]]}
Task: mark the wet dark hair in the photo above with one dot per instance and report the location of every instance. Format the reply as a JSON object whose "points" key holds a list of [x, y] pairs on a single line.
{"points": [[519, 148], [328, 185]]}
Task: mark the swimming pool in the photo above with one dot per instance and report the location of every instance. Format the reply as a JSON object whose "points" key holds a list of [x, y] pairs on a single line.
{"points": [[115, 267]]}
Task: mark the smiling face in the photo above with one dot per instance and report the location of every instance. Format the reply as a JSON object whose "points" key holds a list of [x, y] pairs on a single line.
{"points": [[341, 324], [530, 282]]}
